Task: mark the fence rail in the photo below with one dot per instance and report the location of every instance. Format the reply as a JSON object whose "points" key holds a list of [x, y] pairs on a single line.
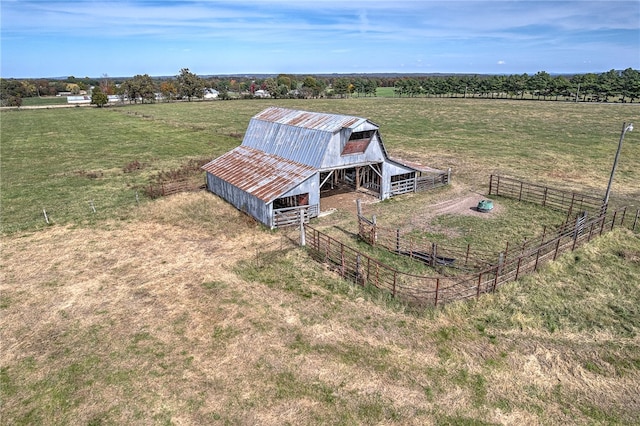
{"points": [[164, 189], [291, 216], [364, 270], [421, 183], [557, 199], [484, 272]]}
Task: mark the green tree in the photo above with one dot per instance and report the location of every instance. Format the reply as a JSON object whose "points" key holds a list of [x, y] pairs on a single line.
{"points": [[370, 87], [98, 98], [630, 84], [286, 80], [560, 86], [539, 84], [609, 85], [341, 87], [310, 87], [189, 84], [12, 92], [140, 87], [271, 86]]}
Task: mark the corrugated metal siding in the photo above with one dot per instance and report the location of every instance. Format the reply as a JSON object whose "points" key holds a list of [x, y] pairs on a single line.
{"points": [[301, 136], [299, 144], [247, 203], [262, 175]]}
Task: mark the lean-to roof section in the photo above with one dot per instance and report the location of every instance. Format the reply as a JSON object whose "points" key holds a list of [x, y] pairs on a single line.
{"points": [[265, 176]]}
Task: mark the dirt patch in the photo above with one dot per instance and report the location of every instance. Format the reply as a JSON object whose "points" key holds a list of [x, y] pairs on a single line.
{"points": [[466, 205], [345, 200]]}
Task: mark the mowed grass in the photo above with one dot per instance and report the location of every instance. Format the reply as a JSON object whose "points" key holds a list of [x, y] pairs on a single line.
{"points": [[191, 314], [66, 161], [183, 311], [44, 101], [63, 160]]}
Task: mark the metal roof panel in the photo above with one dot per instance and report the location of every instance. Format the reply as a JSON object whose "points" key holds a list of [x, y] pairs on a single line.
{"points": [[266, 176], [310, 120]]}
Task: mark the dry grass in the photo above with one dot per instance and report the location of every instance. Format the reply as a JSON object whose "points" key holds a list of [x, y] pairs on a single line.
{"points": [[155, 321]]}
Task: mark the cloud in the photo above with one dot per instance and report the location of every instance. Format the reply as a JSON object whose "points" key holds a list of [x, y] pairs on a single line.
{"points": [[501, 62]]}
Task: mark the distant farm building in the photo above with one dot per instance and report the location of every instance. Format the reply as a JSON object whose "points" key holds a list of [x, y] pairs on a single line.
{"points": [[210, 94], [289, 160], [86, 99]]}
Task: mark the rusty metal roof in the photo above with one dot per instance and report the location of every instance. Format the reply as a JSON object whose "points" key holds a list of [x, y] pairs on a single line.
{"points": [[309, 120], [265, 176]]}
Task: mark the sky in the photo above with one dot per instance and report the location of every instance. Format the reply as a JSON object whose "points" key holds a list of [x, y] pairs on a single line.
{"points": [[91, 38]]}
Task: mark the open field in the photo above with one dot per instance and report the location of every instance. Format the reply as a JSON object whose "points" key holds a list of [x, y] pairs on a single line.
{"points": [[183, 311], [44, 101]]}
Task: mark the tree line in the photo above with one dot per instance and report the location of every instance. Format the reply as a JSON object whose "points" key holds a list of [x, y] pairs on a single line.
{"points": [[611, 86]]}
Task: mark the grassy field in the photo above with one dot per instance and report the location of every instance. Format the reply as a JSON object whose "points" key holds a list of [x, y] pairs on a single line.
{"points": [[183, 311], [45, 101]]}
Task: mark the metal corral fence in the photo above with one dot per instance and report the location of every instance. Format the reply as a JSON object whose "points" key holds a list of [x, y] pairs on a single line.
{"points": [[364, 270], [163, 189], [586, 218], [421, 183], [291, 216], [462, 257], [570, 202]]}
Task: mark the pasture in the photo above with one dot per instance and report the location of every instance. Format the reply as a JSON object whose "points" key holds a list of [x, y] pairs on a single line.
{"points": [[181, 310]]}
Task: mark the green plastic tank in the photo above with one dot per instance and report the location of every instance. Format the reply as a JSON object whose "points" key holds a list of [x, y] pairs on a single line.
{"points": [[485, 206]]}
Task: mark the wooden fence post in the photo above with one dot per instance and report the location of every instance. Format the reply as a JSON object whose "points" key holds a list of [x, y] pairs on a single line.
{"points": [[479, 282], [635, 220], [498, 270], [398, 240], [520, 195], [395, 276], [535, 265], [435, 302], [303, 240], [557, 247], [490, 183], [518, 267], [374, 231], [613, 222], [466, 258], [434, 249]]}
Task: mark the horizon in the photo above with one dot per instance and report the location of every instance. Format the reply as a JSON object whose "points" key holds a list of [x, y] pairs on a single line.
{"points": [[218, 38], [274, 75]]}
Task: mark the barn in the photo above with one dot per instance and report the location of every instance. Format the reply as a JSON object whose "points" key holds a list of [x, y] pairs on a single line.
{"points": [[290, 159]]}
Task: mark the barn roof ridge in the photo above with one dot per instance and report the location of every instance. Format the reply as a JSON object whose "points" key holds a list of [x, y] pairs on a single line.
{"points": [[328, 122]]}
